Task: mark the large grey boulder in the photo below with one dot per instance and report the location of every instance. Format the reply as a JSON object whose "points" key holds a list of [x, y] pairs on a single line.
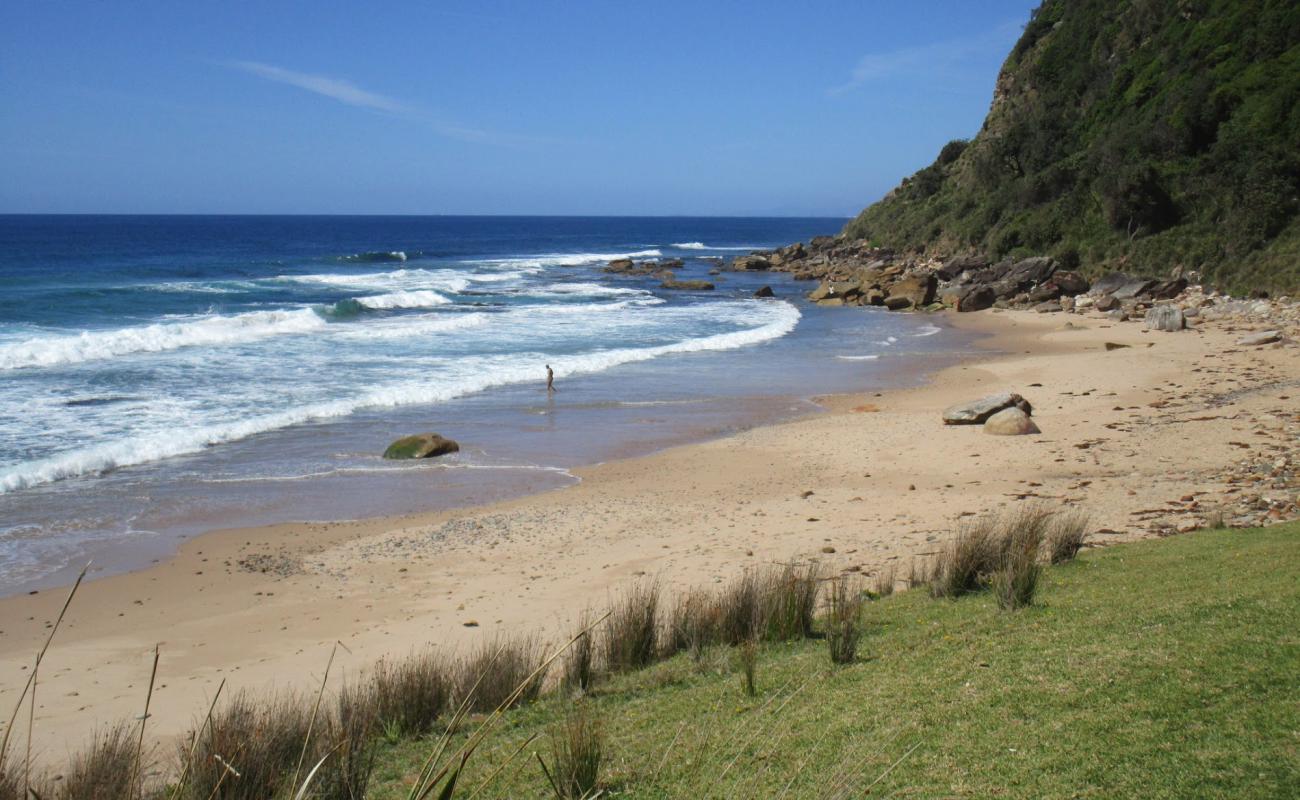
{"points": [[421, 445], [1010, 422], [1165, 318], [978, 411]]}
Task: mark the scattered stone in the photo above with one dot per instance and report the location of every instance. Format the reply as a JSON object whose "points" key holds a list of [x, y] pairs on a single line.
{"points": [[765, 291], [689, 285], [750, 263], [421, 445], [1010, 422], [1263, 337], [978, 411]]}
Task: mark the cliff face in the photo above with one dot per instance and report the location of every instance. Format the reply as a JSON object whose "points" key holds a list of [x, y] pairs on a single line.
{"points": [[1144, 135]]}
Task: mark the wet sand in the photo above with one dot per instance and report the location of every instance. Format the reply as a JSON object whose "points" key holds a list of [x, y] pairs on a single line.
{"points": [[1149, 439]]}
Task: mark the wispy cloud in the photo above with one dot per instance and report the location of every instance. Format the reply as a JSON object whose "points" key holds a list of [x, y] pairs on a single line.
{"points": [[934, 58], [344, 91]]}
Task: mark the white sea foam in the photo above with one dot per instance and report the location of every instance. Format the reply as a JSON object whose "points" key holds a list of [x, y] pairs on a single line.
{"points": [[586, 290], [398, 279], [410, 327], [59, 349], [540, 262], [858, 358], [928, 330], [422, 298], [469, 375], [703, 246]]}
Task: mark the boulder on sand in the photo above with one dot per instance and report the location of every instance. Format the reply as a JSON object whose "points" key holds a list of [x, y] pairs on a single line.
{"points": [[978, 411], [421, 445], [1165, 318], [1010, 422]]}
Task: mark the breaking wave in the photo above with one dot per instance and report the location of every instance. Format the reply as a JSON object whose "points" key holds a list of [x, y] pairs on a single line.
{"points": [[61, 349]]}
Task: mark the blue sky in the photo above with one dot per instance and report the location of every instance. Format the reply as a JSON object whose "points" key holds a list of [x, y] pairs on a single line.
{"points": [[712, 108]]}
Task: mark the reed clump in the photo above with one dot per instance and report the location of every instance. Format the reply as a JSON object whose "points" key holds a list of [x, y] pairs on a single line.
{"points": [[579, 660], [104, 769], [497, 672], [983, 547], [632, 630], [577, 746], [845, 602], [1066, 534], [406, 697]]}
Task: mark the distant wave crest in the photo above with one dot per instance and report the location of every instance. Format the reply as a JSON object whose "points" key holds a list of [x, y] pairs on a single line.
{"points": [[62, 349], [376, 256]]}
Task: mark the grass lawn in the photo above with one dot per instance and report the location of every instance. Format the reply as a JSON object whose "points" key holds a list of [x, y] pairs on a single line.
{"points": [[1167, 668]]}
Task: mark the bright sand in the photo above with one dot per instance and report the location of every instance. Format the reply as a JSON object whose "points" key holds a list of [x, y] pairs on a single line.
{"points": [[1140, 437]]}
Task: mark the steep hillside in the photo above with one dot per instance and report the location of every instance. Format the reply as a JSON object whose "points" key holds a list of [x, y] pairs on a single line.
{"points": [[1142, 135]]}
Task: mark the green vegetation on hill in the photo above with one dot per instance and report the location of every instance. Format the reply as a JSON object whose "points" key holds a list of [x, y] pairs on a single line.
{"points": [[1143, 135], [1160, 669]]}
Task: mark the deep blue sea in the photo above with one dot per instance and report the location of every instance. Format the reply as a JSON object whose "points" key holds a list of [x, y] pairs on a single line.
{"points": [[160, 376]]}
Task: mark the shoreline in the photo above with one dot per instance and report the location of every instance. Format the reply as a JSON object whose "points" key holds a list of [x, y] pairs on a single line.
{"points": [[887, 482]]}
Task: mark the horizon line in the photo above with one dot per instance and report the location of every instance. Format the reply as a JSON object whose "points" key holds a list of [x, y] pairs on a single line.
{"points": [[413, 214]]}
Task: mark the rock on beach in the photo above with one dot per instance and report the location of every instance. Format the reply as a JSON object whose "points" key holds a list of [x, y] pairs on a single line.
{"points": [[1010, 422], [978, 411], [421, 445]]}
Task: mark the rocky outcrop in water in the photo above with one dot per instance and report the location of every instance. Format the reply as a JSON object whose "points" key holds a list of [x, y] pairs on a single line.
{"points": [[421, 445]]}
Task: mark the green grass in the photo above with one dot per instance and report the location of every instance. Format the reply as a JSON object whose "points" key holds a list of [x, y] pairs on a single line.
{"points": [[1167, 668]]}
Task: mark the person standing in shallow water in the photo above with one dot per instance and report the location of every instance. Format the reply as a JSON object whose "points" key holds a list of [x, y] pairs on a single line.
{"points": [[550, 379]]}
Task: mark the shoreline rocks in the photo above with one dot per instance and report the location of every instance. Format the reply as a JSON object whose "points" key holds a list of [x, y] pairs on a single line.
{"points": [[1010, 422], [421, 445], [977, 412]]}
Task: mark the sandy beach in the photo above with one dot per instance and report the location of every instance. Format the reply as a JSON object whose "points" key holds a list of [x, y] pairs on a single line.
{"points": [[1149, 439]]}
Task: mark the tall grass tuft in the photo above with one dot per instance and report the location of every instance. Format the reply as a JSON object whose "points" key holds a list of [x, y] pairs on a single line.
{"points": [[747, 657], [579, 669], [498, 671], [1016, 579], [982, 547], [407, 697], [885, 581], [104, 769], [742, 612], [844, 619], [632, 630], [790, 595], [577, 748], [250, 748], [696, 624], [11, 784], [1065, 535], [349, 740]]}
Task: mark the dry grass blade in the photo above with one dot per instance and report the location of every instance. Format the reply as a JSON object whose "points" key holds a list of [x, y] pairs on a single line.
{"points": [[493, 775], [137, 769], [194, 745], [315, 711], [757, 730], [30, 687]]}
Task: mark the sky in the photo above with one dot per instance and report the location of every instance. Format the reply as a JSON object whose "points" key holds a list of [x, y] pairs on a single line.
{"points": [[447, 107]]}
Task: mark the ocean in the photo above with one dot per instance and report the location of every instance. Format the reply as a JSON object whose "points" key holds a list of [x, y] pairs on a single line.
{"points": [[165, 375]]}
